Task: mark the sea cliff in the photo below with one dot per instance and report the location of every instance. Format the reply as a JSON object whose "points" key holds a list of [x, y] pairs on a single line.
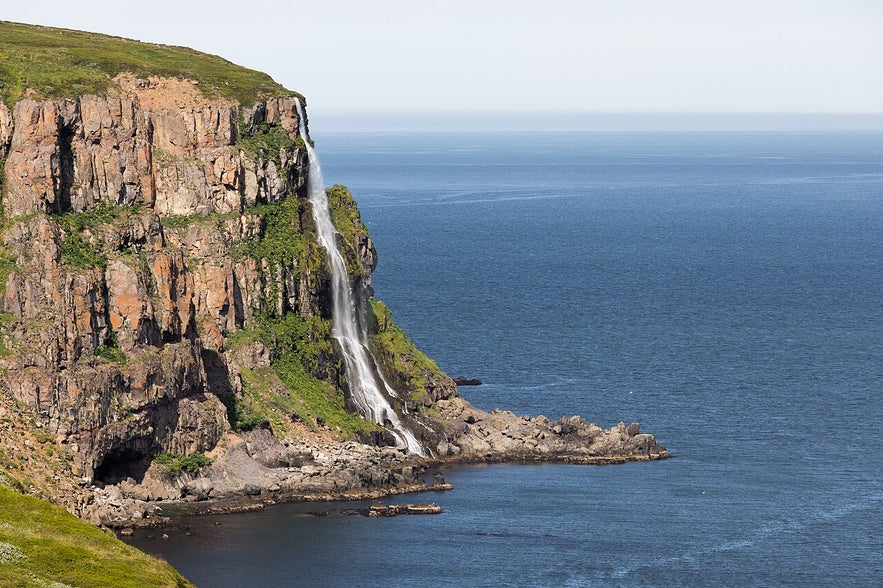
{"points": [[166, 310]]}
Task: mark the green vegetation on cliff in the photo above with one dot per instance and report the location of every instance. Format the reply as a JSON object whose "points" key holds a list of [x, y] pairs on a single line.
{"points": [[111, 351], [197, 276], [266, 141], [175, 463], [410, 369], [348, 222], [304, 381], [64, 63], [76, 250], [44, 545], [292, 388], [284, 239]]}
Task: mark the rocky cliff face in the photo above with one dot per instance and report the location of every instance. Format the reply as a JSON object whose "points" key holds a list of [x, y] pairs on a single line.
{"points": [[163, 294], [160, 280]]}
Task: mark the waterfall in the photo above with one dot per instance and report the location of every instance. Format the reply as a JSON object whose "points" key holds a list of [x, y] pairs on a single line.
{"points": [[364, 380]]}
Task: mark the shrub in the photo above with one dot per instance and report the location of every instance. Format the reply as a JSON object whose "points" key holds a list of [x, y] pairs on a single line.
{"points": [[76, 250], [266, 141], [175, 463], [79, 253], [111, 351]]}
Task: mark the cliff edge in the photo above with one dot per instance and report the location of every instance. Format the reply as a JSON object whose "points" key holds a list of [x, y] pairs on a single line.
{"points": [[166, 325]]}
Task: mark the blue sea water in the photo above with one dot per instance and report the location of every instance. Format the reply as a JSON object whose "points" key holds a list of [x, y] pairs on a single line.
{"points": [[724, 290]]}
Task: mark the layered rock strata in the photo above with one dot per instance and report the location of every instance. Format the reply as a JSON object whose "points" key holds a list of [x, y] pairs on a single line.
{"points": [[163, 293], [109, 310]]}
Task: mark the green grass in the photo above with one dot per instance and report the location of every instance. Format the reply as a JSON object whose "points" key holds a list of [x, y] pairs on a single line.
{"points": [[180, 221], [248, 411], [64, 63], [100, 215], [308, 338], [284, 242], [348, 222], [177, 221], [240, 338], [283, 239], [79, 253], [305, 359], [111, 351], [175, 463], [266, 142], [41, 543], [409, 367], [319, 402], [292, 387], [76, 250]]}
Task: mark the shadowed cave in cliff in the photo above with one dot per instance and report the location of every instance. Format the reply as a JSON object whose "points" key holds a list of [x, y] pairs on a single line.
{"points": [[122, 464]]}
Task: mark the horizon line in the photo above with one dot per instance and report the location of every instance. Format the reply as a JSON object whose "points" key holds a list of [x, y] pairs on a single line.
{"points": [[547, 121]]}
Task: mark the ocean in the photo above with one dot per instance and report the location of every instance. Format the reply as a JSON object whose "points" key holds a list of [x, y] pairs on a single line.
{"points": [[724, 290]]}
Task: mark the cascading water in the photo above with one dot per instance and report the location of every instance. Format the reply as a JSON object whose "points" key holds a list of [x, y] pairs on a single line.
{"points": [[352, 338]]}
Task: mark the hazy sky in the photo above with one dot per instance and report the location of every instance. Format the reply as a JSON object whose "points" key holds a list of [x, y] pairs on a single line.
{"points": [[408, 56]]}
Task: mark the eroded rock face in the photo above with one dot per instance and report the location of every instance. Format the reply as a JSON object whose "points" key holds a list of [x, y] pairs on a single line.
{"points": [[73, 155], [108, 352]]}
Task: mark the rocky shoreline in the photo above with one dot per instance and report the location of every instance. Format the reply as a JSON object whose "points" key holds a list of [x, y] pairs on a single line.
{"points": [[252, 470]]}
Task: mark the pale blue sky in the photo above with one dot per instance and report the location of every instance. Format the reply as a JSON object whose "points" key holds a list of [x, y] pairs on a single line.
{"points": [[404, 57]]}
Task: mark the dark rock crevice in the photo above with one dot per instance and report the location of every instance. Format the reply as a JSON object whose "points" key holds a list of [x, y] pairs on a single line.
{"points": [[65, 169]]}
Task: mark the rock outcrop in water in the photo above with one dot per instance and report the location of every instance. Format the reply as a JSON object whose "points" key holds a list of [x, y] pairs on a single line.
{"points": [[164, 294]]}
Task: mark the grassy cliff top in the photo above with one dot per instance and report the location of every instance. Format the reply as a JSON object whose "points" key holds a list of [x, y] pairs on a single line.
{"points": [[57, 63], [41, 544]]}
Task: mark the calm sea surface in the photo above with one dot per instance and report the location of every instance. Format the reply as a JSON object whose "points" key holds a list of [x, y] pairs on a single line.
{"points": [[724, 290]]}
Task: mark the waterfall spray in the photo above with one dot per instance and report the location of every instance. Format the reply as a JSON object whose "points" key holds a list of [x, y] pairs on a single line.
{"points": [[364, 381]]}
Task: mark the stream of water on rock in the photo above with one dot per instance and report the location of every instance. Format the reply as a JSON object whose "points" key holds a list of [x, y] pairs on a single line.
{"points": [[363, 374]]}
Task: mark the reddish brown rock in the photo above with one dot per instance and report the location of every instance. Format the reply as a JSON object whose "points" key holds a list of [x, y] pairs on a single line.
{"points": [[110, 358]]}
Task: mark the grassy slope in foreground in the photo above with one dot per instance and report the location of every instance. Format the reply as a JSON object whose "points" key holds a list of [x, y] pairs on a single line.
{"points": [[41, 544], [55, 63]]}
